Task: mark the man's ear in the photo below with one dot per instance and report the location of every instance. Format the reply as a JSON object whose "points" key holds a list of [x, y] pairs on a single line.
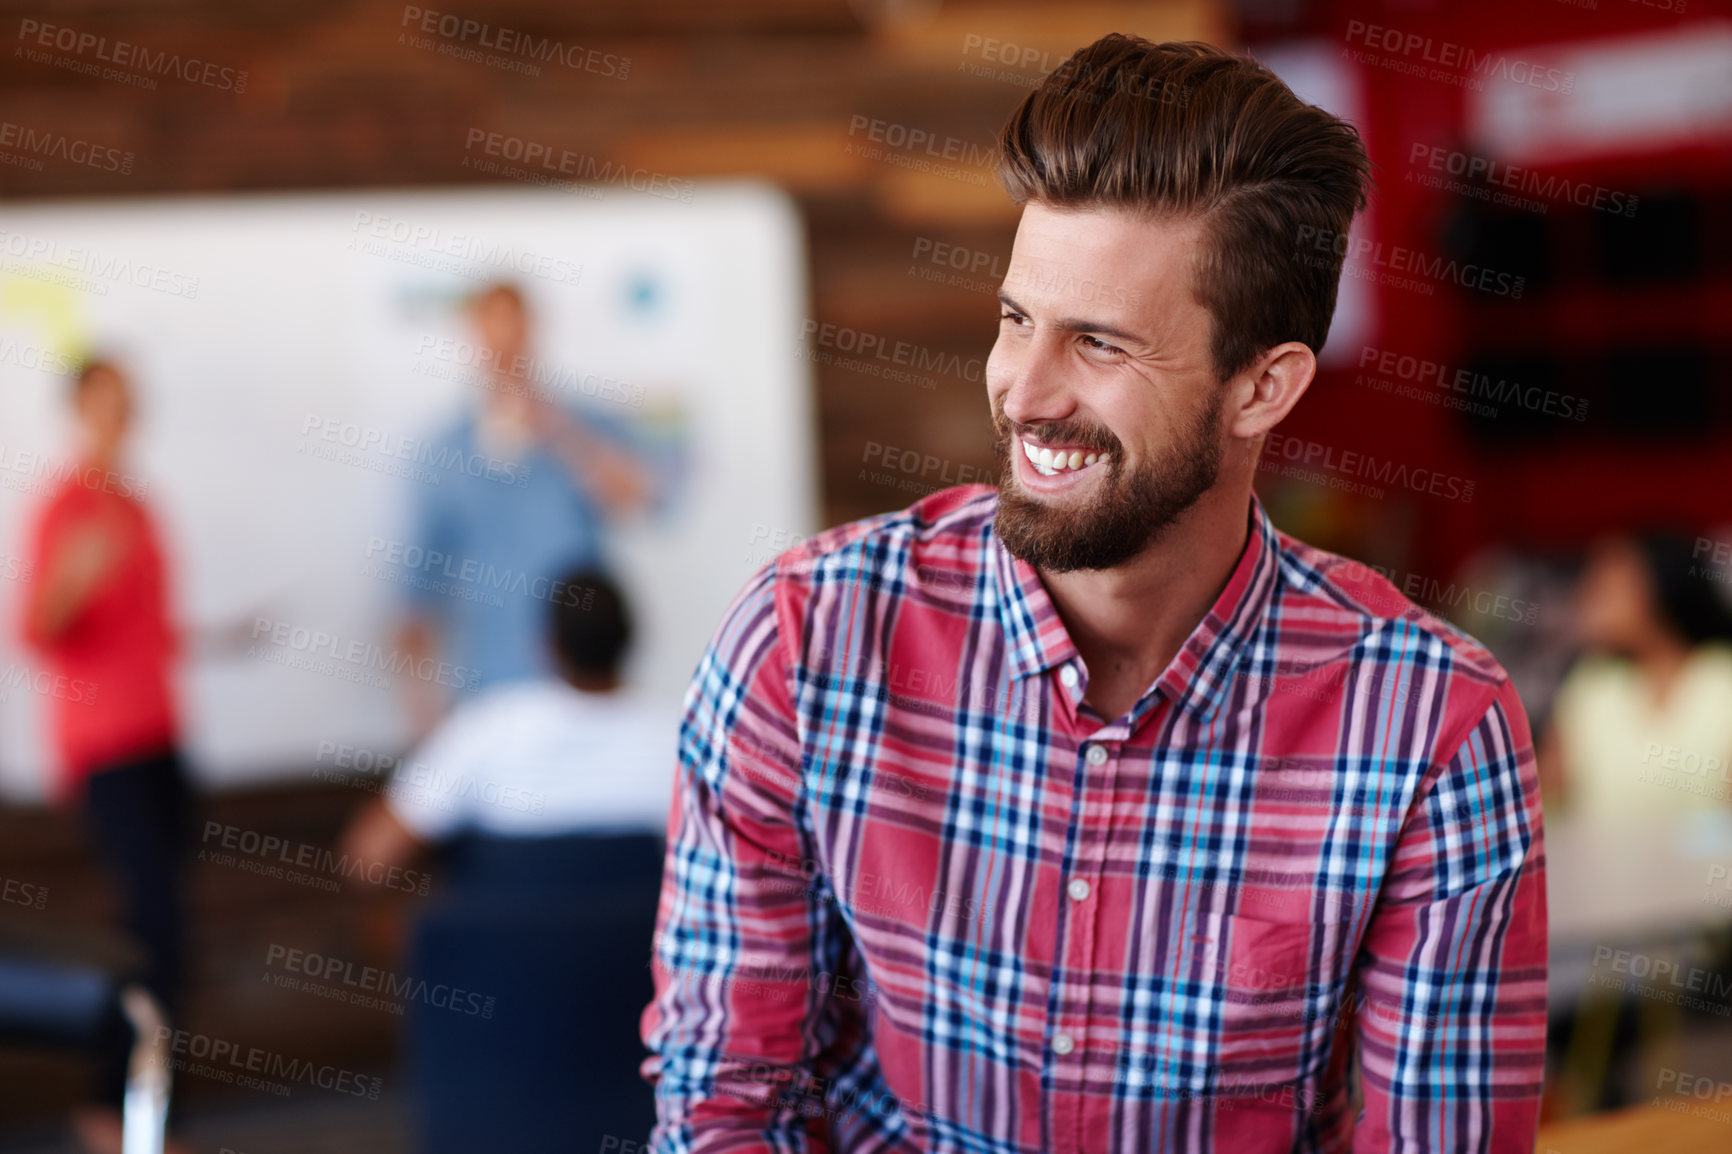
{"points": [[1266, 392]]}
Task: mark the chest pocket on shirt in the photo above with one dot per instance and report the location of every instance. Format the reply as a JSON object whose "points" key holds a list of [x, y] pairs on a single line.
{"points": [[1246, 1004]]}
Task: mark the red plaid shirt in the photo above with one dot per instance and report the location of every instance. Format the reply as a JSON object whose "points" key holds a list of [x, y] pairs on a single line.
{"points": [[920, 896]]}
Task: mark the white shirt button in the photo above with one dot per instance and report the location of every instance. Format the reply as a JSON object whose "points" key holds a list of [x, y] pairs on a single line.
{"points": [[1068, 676], [1097, 755], [1063, 1043], [1078, 890]]}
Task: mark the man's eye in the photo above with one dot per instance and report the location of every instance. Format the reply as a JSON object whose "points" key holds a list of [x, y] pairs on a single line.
{"points": [[1097, 343], [1010, 316]]}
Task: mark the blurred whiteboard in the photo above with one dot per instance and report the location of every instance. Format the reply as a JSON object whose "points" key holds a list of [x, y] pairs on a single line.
{"points": [[244, 320]]}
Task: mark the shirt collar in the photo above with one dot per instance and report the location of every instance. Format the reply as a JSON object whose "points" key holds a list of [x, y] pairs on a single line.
{"points": [[1203, 670]]}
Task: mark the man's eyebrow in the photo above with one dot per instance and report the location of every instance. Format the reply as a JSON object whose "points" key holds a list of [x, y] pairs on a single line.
{"points": [[1075, 324]]}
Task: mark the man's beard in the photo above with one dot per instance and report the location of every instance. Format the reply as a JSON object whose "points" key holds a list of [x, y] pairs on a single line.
{"points": [[1126, 512]]}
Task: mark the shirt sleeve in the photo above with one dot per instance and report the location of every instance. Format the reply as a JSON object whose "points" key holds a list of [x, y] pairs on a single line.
{"points": [[747, 931], [45, 541], [657, 447], [423, 793], [432, 529], [1452, 1026]]}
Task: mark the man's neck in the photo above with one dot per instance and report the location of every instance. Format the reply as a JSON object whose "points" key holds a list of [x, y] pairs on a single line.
{"points": [[1130, 621]]}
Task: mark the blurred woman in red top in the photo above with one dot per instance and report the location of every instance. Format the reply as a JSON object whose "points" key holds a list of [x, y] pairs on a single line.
{"points": [[98, 613]]}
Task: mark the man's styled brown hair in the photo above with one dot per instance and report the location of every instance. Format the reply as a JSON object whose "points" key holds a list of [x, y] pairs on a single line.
{"points": [[1188, 130]]}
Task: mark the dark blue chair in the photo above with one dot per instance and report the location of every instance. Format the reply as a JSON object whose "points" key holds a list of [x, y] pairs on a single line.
{"points": [[55, 994], [556, 932]]}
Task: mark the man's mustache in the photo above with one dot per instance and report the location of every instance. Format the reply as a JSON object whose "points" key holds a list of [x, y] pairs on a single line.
{"points": [[1093, 439]]}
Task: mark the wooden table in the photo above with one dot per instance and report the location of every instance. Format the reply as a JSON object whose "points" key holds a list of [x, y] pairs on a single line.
{"points": [[1637, 878], [1651, 884], [1643, 1130]]}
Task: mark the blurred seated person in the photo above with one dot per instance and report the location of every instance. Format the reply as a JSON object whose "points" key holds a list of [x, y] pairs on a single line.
{"points": [[540, 481], [1642, 724], [572, 753], [547, 799]]}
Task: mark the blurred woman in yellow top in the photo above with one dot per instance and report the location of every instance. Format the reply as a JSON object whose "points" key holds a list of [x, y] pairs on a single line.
{"points": [[1642, 725]]}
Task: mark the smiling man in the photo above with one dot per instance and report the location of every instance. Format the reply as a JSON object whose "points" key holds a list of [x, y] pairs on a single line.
{"points": [[1093, 813]]}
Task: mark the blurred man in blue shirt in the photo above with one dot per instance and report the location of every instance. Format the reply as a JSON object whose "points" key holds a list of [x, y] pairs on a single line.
{"points": [[492, 541]]}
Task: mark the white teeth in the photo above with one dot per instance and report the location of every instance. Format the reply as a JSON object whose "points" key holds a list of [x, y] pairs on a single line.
{"points": [[1049, 464], [1033, 455]]}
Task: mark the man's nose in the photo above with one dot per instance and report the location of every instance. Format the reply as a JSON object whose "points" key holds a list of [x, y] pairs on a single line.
{"points": [[1037, 390]]}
